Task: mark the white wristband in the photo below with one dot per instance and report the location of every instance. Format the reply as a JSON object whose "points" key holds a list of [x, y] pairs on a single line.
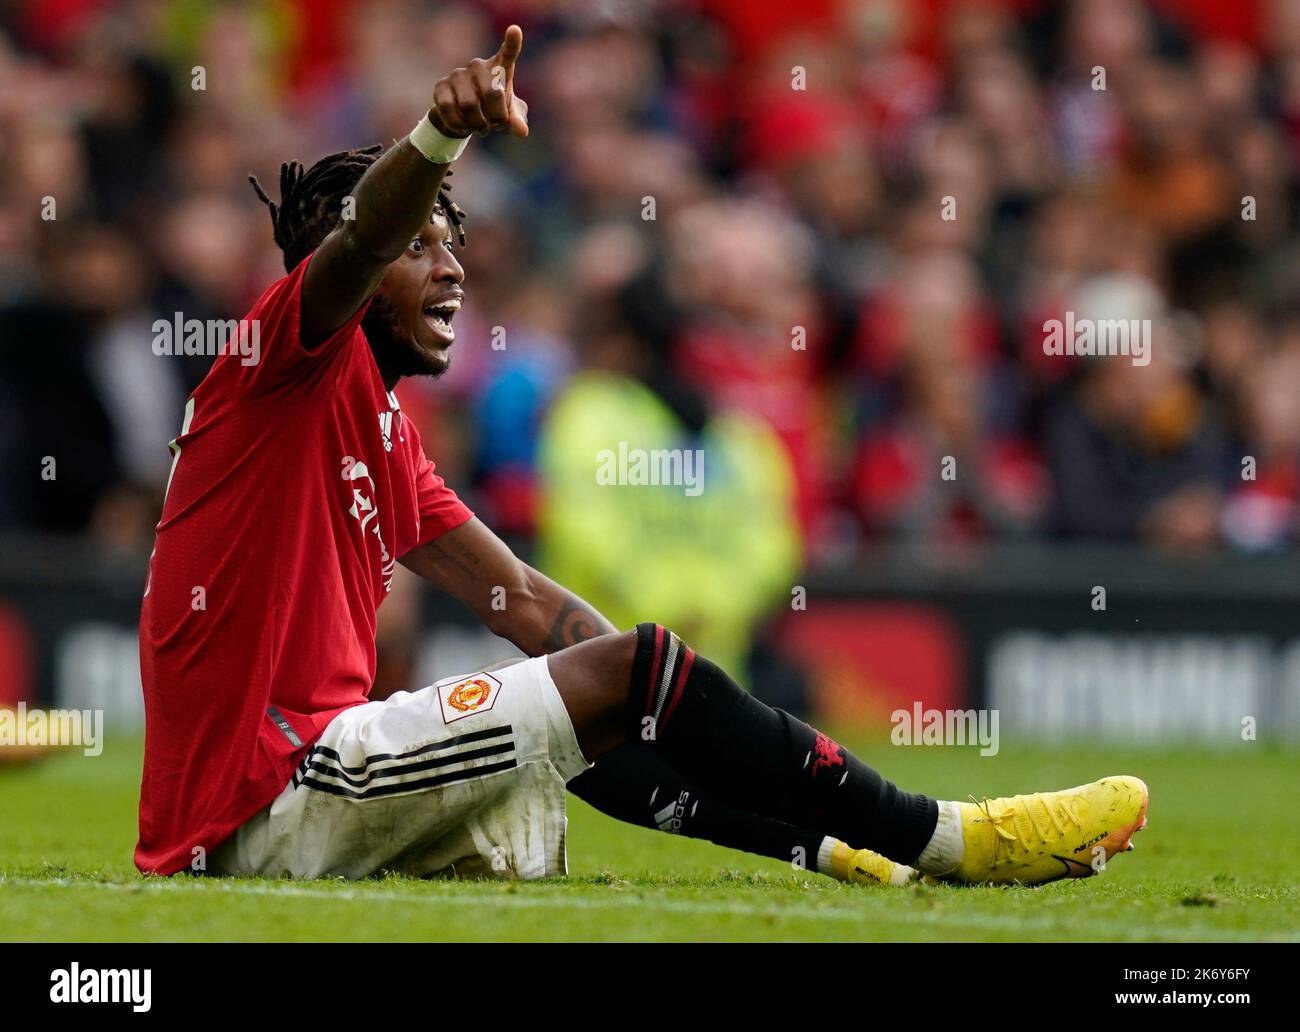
{"points": [[438, 147]]}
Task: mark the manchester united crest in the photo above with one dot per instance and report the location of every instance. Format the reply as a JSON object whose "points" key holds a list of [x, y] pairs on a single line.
{"points": [[468, 695]]}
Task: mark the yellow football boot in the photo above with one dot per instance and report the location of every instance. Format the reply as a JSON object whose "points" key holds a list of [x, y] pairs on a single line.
{"points": [[1049, 835], [863, 867]]}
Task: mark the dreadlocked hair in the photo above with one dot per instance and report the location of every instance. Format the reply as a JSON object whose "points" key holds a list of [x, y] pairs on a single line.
{"points": [[311, 201]]}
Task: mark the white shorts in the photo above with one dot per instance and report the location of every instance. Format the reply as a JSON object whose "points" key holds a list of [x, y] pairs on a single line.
{"points": [[464, 777]]}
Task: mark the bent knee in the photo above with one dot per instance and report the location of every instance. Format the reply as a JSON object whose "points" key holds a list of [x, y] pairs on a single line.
{"points": [[618, 656], [598, 668]]}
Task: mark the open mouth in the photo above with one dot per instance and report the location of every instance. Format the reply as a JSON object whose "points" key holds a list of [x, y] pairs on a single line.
{"points": [[439, 316]]}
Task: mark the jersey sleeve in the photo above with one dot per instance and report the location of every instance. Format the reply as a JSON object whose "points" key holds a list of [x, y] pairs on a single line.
{"points": [[276, 318]]}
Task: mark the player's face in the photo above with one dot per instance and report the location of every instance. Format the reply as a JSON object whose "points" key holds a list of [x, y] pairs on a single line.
{"points": [[409, 324]]}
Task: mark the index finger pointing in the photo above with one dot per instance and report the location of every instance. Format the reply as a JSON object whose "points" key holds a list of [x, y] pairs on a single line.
{"points": [[511, 45]]}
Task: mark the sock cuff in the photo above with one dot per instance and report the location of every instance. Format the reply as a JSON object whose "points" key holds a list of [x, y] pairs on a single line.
{"points": [[833, 858], [660, 668], [946, 847]]}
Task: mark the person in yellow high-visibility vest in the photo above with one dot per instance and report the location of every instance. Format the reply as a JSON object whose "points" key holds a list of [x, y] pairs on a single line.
{"points": [[710, 553]]}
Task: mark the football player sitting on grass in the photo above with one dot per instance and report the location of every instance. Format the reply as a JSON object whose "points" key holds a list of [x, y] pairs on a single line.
{"points": [[297, 486]]}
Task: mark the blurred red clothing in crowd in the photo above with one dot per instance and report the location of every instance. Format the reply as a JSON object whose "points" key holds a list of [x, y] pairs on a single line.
{"points": [[768, 379]]}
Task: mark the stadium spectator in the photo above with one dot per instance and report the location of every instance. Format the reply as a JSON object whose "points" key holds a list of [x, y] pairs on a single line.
{"points": [[777, 200]]}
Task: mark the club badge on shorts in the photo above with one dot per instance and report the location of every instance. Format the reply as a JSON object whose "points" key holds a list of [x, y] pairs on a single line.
{"points": [[467, 696]]}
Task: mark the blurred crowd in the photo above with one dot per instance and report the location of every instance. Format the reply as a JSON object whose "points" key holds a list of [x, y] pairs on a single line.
{"points": [[844, 220]]}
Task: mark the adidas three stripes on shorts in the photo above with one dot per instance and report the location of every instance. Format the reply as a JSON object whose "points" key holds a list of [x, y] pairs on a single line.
{"points": [[463, 777]]}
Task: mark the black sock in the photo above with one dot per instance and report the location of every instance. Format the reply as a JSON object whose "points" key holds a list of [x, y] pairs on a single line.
{"points": [[761, 759], [637, 784]]}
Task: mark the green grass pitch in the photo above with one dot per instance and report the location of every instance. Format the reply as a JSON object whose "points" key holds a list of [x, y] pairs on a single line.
{"points": [[1219, 861]]}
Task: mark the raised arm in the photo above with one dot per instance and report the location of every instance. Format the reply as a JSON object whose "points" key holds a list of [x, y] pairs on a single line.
{"points": [[395, 197], [523, 606]]}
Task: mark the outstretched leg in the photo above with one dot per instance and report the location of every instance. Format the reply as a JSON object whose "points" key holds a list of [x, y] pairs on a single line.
{"points": [[648, 685], [636, 784]]}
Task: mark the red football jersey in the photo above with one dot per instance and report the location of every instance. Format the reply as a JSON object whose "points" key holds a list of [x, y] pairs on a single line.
{"points": [[296, 484]]}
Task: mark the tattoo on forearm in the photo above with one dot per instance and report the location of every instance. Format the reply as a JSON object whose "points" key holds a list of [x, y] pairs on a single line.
{"points": [[457, 555], [575, 622]]}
